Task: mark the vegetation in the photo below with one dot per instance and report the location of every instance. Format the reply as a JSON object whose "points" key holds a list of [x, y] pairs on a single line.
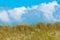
{"points": [[40, 31]]}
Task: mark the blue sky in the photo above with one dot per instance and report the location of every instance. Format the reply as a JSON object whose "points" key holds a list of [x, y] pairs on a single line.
{"points": [[13, 12], [18, 3]]}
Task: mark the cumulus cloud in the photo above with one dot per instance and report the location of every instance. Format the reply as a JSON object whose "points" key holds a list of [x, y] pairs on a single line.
{"points": [[4, 16], [43, 12], [11, 15], [16, 13], [48, 9]]}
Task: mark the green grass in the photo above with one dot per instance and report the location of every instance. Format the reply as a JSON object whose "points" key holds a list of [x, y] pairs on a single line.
{"points": [[40, 31]]}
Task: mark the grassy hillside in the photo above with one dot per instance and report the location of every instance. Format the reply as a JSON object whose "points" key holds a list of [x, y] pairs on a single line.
{"points": [[40, 31]]}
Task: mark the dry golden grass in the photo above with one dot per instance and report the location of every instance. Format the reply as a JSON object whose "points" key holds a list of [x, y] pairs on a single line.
{"points": [[40, 31]]}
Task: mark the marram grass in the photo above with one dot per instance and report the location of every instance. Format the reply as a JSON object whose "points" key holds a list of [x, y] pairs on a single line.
{"points": [[40, 31]]}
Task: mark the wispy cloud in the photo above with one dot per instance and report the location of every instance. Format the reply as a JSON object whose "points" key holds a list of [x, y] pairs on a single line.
{"points": [[34, 14]]}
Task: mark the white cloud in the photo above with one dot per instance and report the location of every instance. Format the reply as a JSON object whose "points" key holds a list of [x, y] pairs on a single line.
{"points": [[37, 12], [4, 16], [10, 15], [16, 13], [48, 9]]}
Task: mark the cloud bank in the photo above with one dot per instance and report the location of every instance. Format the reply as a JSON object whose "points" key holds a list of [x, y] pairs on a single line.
{"points": [[45, 12]]}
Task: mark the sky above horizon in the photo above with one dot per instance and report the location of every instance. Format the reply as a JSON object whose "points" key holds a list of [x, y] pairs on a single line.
{"points": [[19, 3], [14, 12], [26, 3]]}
